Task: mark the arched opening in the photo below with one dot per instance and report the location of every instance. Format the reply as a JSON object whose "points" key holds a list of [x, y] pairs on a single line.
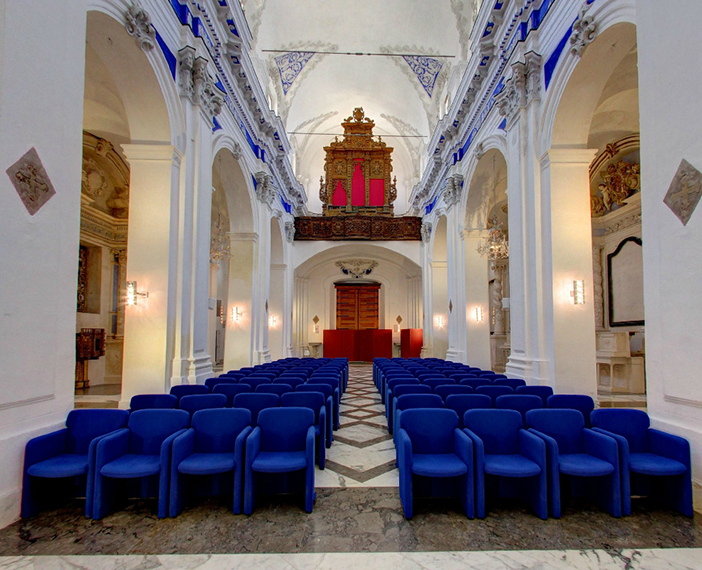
{"points": [[592, 172], [440, 302], [122, 210]]}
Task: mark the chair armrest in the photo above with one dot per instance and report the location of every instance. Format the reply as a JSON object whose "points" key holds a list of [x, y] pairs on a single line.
{"points": [[167, 448], [45, 446], [463, 447], [309, 445], [183, 447], [111, 447], [323, 422], [253, 445], [240, 445], [601, 446], [670, 446], [478, 449], [621, 442], [551, 447], [404, 451], [533, 447]]}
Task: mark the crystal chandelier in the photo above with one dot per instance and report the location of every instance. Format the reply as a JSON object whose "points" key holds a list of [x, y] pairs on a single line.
{"points": [[220, 246], [495, 245]]}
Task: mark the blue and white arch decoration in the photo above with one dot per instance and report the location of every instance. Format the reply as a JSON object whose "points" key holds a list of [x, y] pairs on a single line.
{"points": [[426, 69], [290, 65]]}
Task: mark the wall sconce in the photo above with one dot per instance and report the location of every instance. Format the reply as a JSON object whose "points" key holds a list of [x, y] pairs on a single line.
{"points": [[236, 314], [440, 321], [133, 293], [396, 328], [578, 292], [272, 321], [479, 314]]}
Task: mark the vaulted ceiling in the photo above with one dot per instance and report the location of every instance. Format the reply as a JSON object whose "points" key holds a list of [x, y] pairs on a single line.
{"points": [[314, 92]]}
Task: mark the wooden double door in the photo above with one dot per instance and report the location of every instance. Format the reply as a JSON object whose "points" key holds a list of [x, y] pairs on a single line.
{"points": [[357, 306]]}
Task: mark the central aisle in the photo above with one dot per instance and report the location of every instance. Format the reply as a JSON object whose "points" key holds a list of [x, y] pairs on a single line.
{"points": [[363, 454]]}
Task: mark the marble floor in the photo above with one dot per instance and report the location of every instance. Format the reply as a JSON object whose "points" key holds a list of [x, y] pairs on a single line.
{"points": [[357, 522]]}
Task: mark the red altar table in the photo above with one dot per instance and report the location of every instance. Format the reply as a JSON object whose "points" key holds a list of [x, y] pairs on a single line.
{"points": [[358, 345]]}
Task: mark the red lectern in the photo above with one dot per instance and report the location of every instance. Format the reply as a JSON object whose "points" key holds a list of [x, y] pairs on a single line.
{"points": [[411, 341]]}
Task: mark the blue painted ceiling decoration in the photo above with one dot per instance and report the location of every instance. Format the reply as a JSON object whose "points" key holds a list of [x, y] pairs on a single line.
{"points": [[290, 65], [426, 69]]}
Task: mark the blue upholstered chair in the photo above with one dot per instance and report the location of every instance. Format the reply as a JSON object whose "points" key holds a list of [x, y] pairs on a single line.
{"points": [[412, 401], [542, 392], [584, 404], [461, 403], [141, 451], [189, 390], [445, 390], [328, 392], [431, 447], [509, 461], [153, 401], [212, 382], [475, 383], [255, 380], [494, 391], [192, 404], [316, 402], [283, 442], [434, 382], [652, 462], [213, 445], [395, 381], [336, 390], [589, 459], [66, 453], [255, 403], [400, 390], [521, 403], [513, 383], [292, 381], [230, 391], [278, 389]]}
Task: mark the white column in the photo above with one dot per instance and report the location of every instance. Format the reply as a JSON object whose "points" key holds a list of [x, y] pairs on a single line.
{"points": [[427, 294], [566, 188], [262, 278], [155, 172], [212, 313], [456, 286], [288, 295], [476, 292]]}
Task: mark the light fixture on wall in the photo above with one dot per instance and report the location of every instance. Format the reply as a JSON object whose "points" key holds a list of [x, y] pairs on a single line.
{"points": [[236, 314], [479, 314], [272, 321], [399, 322], [133, 293], [578, 292], [315, 325], [496, 245], [440, 321], [220, 246]]}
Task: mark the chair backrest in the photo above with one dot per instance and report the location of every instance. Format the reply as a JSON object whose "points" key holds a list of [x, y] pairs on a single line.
{"points": [[461, 403], [424, 376], [255, 403], [445, 390], [216, 430], [312, 400], [231, 390], [521, 403], [499, 429], [333, 382], [87, 424], [542, 392], [263, 373], [563, 425], [397, 381], [192, 404], [279, 389], [402, 389], [149, 428], [434, 382], [458, 376], [212, 382], [293, 381], [483, 373], [581, 402], [430, 431], [494, 391], [513, 383], [285, 429], [410, 401], [189, 390], [152, 402], [631, 424], [475, 382], [255, 380], [325, 389]]}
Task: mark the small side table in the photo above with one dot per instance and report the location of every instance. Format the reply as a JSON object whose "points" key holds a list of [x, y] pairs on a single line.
{"points": [[314, 349]]}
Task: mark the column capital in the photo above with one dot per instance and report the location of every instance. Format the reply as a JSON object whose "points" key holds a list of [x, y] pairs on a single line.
{"points": [[568, 156], [153, 151]]}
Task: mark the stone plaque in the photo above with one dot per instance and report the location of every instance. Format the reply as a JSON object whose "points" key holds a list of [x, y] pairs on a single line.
{"points": [[31, 181], [684, 192]]}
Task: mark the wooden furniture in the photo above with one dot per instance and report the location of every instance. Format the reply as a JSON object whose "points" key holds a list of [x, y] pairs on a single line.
{"points": [[411, 341], [90, 345], [358, 345], [617, 371], [357, 306]]}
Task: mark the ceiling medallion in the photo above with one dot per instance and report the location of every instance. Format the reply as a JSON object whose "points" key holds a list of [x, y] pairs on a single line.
{"points": [[357, 268]]}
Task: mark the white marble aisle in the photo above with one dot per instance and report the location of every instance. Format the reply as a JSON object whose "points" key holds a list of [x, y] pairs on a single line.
{"points": [[650, 559]]}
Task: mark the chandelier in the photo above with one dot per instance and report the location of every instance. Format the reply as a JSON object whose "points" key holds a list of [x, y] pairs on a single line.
{"points": [[495, 245], [220, 246]]}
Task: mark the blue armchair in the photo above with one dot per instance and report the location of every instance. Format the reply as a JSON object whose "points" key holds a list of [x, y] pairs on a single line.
{"points": [[513, 458], [255, 403], [589, 459], [446, 390], [513, 383], [336, 390], [461, 403], [212, 446], [192, 404], [412, 401], [66, 453], [283, 442], [400, 390], [494, 391], [275, 388], [431, 447], [584, 404], [230, 391], [315, 401], [475, 383], [542, 392], [327, 390], [189, 390], [652, 462], [521, 403], [153, 401], [434, 383], [141, 451]]}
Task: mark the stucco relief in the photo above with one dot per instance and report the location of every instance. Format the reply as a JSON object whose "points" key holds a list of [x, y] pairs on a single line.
{"points": [[684, 192], [31, 181]]}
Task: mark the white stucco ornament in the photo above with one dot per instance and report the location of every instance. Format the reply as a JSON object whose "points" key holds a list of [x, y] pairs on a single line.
{"points": [[31, 181], [357, 268], [684, 192]]}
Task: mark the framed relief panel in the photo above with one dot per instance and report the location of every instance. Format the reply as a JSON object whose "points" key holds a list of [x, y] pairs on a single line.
{"points": [[625, 275]]}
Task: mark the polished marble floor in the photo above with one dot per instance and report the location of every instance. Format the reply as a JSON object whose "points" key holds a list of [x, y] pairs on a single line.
{"points": [[357, 522]]}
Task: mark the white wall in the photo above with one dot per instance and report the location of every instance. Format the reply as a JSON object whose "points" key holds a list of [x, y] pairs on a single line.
{"points": [[41, 106], [669, 56]]}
